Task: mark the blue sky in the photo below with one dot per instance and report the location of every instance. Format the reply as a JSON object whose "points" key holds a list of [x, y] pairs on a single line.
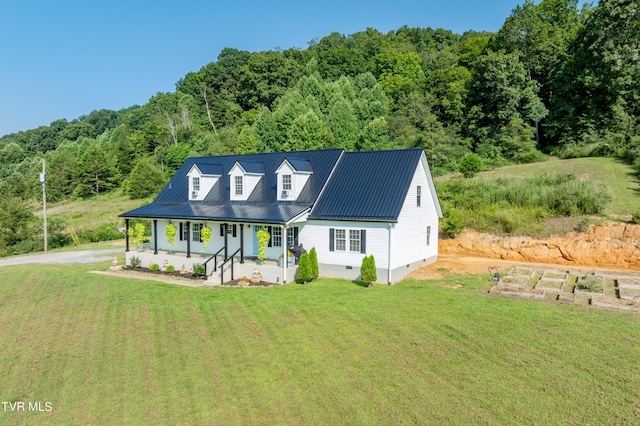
{"points": [[66, 58]]}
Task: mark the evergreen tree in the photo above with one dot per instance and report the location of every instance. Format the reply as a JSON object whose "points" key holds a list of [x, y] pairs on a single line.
{"points": [[314, 262], [368, 272], [305, 272], [145, 179], [96, 173]]}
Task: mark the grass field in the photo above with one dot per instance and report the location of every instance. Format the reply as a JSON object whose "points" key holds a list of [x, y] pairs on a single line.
{"points": [[621, 178], [110, 350]]}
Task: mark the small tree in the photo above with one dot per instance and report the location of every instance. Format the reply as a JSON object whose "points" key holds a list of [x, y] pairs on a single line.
{"points": [[263, 239], [305, 273], [470, 164], [313, 256], [368, 272]]}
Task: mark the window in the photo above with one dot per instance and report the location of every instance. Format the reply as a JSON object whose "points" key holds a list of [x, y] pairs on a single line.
{"points": [[238, 182], [276, 236], [286, 182], [341, 240], [418, 195], [229, 229], [354, 240], [196, 228], [196, 184], [185, 232], [290, 238], [428, 235]]}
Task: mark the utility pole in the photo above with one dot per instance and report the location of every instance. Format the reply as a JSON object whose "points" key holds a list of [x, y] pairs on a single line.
{"points": [[44, 203]]}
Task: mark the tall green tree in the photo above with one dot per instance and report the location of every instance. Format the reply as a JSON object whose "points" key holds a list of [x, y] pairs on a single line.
{"points": [[96, 173], [146, 179]]}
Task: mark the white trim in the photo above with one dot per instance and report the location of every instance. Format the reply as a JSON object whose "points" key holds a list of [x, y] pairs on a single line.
{"points": [[389, 254]]}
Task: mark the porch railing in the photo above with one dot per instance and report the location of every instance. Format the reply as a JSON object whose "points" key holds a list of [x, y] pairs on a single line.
{"points": [[215, 262], [224, 263]]}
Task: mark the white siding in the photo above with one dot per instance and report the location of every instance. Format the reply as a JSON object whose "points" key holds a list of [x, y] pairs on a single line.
{"points": [[249, 182], [315, 233], [410, 232]]}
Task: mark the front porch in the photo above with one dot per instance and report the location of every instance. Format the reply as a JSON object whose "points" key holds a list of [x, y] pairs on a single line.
{"points": [[217, 271]]}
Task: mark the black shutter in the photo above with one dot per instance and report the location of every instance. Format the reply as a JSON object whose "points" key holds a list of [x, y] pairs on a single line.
{"points": [[295, 235], [271, 236], [331, 242], [363, 241], [235, 227], [201, 227], [181, 232], [222, 229]]}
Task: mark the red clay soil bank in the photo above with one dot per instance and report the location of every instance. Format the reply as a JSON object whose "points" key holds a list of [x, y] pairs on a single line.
{"points": [[615, 245]]}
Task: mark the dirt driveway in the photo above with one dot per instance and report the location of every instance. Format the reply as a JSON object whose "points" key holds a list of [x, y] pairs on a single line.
{"points": [[86, 256]]}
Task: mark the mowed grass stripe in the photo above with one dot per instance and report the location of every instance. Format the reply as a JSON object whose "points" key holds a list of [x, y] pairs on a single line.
{"points": [[331, 352]]}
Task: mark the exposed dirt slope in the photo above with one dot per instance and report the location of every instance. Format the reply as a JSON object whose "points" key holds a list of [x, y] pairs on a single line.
{"points": [[613, 245]]}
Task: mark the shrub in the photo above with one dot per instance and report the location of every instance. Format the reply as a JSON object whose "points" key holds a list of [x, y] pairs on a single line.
{"points": [[470, 164], [135, 262], [453, 223], [314, 262], [635, 218], [171, 268], [155, 267], [305, 272], [198, 270], [103, 232], [368, 272]]}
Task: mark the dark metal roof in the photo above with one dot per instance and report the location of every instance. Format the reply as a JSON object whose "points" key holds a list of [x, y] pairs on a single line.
{"points": [[300, 165], [238, 212], [252, 166], [368, 186], [262, 205], [209, 169]]}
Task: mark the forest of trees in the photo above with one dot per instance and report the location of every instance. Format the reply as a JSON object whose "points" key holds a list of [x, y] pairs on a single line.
{"points": [[555, 79]]}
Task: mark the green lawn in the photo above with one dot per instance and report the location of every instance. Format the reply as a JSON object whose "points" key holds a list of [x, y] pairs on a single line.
{"points": [[110, 350], [620, 177]]}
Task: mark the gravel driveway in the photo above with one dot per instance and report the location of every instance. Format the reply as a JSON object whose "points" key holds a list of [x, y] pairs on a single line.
{"points": [[87, 256]]}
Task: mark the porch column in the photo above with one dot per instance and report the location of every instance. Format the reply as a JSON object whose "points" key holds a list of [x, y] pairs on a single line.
{"points": [[126, 233], [188, 224], [155, 236], [242, 243], [224, 225], [285, 254]]}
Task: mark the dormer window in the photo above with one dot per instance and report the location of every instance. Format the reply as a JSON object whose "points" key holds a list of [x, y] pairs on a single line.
{"points": [[286, 184], [202, 177], [238, 185], [243, 179], [196, 185], [293, 174]]}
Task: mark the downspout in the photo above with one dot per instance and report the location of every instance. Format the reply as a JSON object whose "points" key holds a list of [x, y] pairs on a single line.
{"points": [[389, 253], [284, 254]]}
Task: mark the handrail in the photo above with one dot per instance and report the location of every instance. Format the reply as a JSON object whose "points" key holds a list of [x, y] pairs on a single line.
{"points": [[222, 266], [215, 256]]}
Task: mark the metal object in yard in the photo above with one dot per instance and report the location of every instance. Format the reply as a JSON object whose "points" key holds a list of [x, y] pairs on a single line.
{"points": [[494, 273]]}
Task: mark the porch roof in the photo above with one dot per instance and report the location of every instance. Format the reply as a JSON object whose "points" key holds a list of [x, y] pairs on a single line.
{"points": [[234, 212]]}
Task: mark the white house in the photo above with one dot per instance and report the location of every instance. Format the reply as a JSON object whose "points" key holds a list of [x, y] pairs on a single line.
{"points": [[345, 204]]}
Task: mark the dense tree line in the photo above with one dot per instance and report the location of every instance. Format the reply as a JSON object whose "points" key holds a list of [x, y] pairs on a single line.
{"points": [[555, 78]]}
